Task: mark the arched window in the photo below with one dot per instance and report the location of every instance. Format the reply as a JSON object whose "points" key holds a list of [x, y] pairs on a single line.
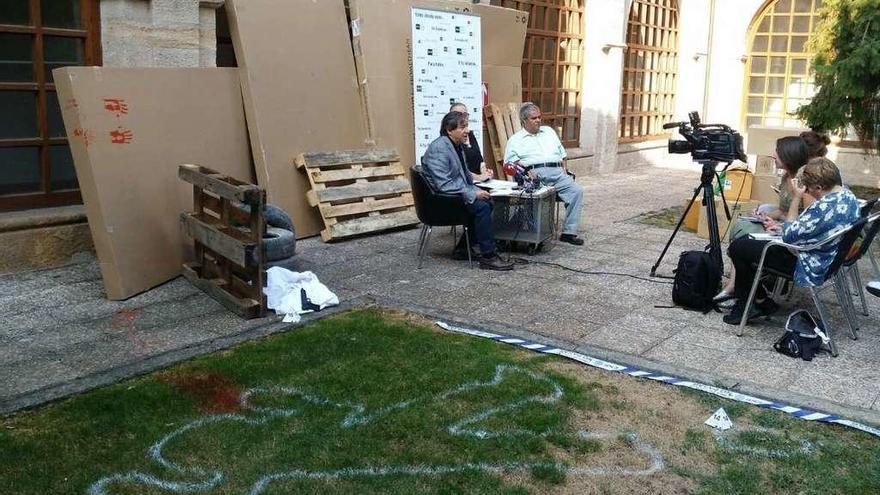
{"points": [[553, 61], [778, 78], [650, 66]]}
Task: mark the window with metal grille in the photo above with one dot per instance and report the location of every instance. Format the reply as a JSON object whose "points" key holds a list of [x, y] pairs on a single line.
{"points": [[552, 67], [36, 36], [778, 78], [650, 66]]}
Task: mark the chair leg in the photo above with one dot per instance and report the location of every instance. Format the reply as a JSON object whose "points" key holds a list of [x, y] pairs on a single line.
{"points": [[749, 301], [874, 263], [825, 321], [860, 287], [467, 240], [421, 240], [425, 246], [844, 298]]}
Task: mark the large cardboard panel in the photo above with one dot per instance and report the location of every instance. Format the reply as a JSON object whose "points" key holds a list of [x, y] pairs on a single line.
{"points": [[381, 37], [762, 139], [129, 129], [300, 92]]}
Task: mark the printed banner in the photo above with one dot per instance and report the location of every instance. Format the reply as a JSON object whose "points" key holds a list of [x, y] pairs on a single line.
{"points": [[446, 69]]}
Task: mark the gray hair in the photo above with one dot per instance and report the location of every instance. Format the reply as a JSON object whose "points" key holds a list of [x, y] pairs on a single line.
{"points": [[527, 108], [458, 104]]}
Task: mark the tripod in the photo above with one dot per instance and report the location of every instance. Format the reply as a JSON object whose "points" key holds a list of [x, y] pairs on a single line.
{"points": [[706, 178]]}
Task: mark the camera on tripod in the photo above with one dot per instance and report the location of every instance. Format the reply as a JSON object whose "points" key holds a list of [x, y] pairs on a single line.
{"points": [[716, 142]]}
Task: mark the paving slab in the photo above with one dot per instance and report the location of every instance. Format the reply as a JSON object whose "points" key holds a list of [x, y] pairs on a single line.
{"points": [[60, 335]]}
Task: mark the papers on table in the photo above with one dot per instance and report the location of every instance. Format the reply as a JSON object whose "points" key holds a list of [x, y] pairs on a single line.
{"points": [[493, 184], [765, 236]]}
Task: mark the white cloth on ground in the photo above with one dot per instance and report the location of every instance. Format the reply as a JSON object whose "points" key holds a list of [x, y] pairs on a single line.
{"points": [[284, 292]]}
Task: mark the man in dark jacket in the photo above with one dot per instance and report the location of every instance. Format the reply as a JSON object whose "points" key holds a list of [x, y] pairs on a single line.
{"points": [[444, 171]]}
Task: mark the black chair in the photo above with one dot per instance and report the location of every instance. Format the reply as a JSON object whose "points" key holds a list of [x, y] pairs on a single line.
{"points": [[437, 210], [851, 265]]}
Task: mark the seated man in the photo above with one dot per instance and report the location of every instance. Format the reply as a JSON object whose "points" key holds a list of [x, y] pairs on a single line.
{"points": [[537, 149], [443, 169]]}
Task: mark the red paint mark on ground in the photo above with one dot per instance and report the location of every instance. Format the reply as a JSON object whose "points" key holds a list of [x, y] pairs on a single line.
{"points": [[214, 392], [121, 135], [124, 321]]}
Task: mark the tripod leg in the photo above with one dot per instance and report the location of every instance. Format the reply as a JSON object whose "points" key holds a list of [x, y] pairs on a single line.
{"points": [[680, 221], [712, 219]]}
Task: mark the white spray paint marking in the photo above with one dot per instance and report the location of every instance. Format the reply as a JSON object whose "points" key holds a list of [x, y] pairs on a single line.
{"points": [[357, 416], [722, 438]]}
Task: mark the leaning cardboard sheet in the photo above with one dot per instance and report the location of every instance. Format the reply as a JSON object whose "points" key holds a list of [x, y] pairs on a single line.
{"points": [[295, 293], [129, 130]]}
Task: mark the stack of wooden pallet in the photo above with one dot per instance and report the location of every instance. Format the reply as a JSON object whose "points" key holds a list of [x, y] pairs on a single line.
{"points": [[358, 191], [502, 121], [227, 227]]}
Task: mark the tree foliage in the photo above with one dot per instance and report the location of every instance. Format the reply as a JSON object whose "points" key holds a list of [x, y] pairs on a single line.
{"points": [[846, 44]]}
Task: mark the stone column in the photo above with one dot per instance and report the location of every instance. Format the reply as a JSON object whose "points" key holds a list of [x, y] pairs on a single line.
{"points": [[605, 31]]}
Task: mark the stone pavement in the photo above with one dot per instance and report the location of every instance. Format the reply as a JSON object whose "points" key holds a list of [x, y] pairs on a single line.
{"points": [[60, 336]]}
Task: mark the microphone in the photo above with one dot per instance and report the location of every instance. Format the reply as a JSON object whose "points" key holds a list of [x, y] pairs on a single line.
{"points": [[670, 125], [512, 169]]}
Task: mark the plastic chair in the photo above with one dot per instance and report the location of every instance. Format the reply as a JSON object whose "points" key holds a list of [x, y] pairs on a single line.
{"points": [[834, 277], [437, 210]]}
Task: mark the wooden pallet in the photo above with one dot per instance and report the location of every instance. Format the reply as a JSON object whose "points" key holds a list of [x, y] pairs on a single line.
{"points": [[227, 228], [358, 191], [502, 121]]}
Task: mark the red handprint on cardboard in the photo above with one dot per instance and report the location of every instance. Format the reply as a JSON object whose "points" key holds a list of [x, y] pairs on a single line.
{"points": [[116, 105], [121, 135], [86, 135]]}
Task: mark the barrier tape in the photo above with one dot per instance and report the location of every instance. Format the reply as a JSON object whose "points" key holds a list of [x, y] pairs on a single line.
{"points": [[797, 412]]}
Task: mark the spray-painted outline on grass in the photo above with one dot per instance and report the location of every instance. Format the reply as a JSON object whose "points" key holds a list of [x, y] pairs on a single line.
{"points": [[722, 438], [207, 480]]}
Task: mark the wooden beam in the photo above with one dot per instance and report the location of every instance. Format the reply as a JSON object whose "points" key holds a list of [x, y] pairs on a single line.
{"points": [[320, 176], [223, 186], [330, 211], [246, 308], [356, 191], [208, 232], [370, 224], [345, 157]]}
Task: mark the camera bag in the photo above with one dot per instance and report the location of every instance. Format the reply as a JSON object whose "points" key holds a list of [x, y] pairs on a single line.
{"points": [[803, 336], [696, 282]]}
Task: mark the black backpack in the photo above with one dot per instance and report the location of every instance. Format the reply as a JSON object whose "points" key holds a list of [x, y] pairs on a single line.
{"points": [[803, 336], [697, 279]]}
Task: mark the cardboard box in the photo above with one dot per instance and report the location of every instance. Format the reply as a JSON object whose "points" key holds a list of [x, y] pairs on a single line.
{"points": [[737, 185], [766, 165], [736, 209], [692, 219], [762, 139], [129, 129], [381, 37], [762, 189], [300, 92]]}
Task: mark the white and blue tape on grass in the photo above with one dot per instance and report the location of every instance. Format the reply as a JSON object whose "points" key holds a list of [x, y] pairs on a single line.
{"points": [[797, 412]]}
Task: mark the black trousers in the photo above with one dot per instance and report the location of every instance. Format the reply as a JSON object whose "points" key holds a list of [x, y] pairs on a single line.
{"points": [[746, 253]]}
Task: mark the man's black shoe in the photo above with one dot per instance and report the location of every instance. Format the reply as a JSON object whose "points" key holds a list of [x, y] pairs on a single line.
{"points": [[571, 239], [462, 255], [494, 262], [764, 308]]}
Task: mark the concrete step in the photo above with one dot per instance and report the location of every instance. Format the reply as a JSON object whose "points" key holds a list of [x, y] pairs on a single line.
{"points": [[42, 238]]}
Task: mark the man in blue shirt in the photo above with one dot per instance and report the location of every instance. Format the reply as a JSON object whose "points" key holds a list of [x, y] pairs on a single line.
{"points": [[537, 149]]}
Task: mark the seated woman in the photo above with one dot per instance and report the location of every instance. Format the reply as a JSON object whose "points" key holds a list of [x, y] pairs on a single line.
{"points": [[834, 207], [473, 157], [792, 153]]}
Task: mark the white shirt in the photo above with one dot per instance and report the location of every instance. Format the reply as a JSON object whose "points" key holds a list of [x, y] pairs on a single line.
{"points": [[529, 149]]}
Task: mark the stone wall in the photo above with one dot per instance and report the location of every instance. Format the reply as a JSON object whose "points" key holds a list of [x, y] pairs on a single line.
{"points": [[158, 33]]}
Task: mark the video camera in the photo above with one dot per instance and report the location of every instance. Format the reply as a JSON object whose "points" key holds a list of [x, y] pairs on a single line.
{"points": [[716, 142]]}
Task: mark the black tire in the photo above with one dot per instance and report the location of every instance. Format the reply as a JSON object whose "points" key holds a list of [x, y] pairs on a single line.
{"points": [[278, 244], [287, 263], [278, 218]]}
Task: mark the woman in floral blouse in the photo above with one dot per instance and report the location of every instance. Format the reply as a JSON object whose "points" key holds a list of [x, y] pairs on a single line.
{"points": [[835, 207]]}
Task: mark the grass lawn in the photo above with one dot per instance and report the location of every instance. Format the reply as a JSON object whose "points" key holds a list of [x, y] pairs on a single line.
{"points": [[375, 401]]}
